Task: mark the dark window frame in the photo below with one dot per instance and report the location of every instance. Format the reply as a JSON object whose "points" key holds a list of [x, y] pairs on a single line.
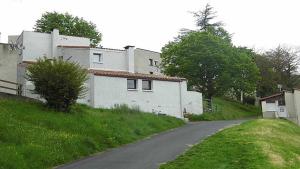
{"points": [[150, 85], [151, 62], [135, 84], [100, 57]]}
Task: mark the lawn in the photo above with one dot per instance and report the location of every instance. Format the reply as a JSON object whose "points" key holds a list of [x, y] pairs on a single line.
{"points": [[34, 137], [225, 109], [256, 144]]}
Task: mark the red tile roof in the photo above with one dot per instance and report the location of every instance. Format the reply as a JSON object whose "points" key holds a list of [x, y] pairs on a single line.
{"points": [[125, 74], [272, 96], [66, 46]]}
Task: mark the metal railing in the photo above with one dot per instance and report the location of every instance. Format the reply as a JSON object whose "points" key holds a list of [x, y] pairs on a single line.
{"points": [[18, 87]]}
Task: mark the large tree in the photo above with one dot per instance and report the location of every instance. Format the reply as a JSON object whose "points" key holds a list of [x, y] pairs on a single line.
{"points": [[244, 73], [201, 58], [68, 25], [205, 17], [205, 22], [278, 66]]}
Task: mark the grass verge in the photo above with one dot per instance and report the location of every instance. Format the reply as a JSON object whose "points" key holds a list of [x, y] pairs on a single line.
{"points": [[33, 137], [227, 110], [256, 144]]}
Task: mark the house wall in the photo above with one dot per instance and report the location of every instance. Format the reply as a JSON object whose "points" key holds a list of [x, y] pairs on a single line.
{"points": [[8, 67], [297, 104], [164, 98], [290, 106], [193, 102], [37, 44], [141, 59], [78, 55], [112, 59]]}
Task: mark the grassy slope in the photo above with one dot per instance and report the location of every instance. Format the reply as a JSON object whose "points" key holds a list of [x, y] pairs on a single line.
{"points": [[227, 110], [33, 137], [257, 144]]}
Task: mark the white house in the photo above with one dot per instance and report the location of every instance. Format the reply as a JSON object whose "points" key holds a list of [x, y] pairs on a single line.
{"points": [[116, 76], [285, 104]]}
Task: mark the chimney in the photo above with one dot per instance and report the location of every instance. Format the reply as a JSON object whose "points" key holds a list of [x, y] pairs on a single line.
{"points": [[130, 58], [55, 40]]}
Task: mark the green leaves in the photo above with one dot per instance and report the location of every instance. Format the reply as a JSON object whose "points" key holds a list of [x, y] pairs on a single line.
{"points": [[68, 25], [211, 64], [59, 82]]}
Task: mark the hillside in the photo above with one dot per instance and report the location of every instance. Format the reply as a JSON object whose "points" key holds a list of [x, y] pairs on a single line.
{"points": [[257, 144], [225, 109], [33, 137]]}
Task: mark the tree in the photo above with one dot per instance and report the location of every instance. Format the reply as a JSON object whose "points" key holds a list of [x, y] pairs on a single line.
{"points": [[204, 22], [244, 73], [267, 84], [68, 25], [201, 58], [204, 18], [59, 82], [285, 62]]}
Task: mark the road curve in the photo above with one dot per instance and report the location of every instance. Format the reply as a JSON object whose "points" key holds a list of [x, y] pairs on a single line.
{"points": [[151, 152]]}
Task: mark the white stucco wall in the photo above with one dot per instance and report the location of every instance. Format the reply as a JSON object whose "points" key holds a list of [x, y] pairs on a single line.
{"points": [[8, 68], [37, 44], [297, 104], [141, 59], [193, 102], [164, 99], [112, 59], [78, 55]]}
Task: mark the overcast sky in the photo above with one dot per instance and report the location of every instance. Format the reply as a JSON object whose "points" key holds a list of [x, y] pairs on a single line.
{"points": [[150, 24]]}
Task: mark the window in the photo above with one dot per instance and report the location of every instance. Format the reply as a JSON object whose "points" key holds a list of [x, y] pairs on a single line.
{"points": [[151, 62], [156, 63], [281, 109], [97, 57], [131, 84], [281, 102], [146, 84], [151, 73]]}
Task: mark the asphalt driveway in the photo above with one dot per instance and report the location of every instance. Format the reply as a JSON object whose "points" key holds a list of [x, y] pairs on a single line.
{"points": [[151, 152]]}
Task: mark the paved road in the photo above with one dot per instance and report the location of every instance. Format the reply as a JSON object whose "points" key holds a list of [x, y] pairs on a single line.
{"points": [[150, 153]]}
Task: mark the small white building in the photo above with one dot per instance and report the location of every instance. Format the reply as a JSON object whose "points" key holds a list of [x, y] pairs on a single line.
{"points": [[128, 76], [285, 104]]}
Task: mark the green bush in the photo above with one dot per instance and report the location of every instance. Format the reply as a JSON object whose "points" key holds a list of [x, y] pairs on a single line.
{"points": [[59, 82]]}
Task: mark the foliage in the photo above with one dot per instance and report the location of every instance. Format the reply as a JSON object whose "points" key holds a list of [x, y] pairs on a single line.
{"points": [[257, 144], [244, 73], [68, 25], [208, 59], [227, 109], [33, 137], [204, 18], [200, 57], [277, 66], [57, 81]]}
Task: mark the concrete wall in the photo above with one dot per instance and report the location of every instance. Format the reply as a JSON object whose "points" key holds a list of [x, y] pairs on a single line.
{"points": [[112, 59], [297, 104], [78, 55], [8, 67], [141, 59], [164, 98], [37, 44], [193, 102]]}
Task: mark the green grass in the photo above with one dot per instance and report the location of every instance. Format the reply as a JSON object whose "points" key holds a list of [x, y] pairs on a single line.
{"points": [[257, 144], [33, 137], [226, 109]]}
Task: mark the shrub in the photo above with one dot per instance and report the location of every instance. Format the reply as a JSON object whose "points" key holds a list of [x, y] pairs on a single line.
{"points": [[59, 82]]}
